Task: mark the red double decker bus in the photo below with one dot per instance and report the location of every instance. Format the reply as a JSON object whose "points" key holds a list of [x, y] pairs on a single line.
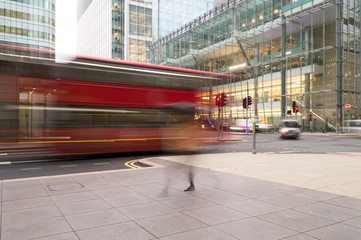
{"points": [[93, 106]]}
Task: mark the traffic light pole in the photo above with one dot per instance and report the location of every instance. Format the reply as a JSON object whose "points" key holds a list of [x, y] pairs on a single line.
{"points": [[219, 121], [222, 122], [247, 114]]}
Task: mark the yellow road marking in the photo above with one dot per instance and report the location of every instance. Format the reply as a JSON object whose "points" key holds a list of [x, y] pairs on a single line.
{"points": [[27, 169], [131, 164], [102, 163], [68, 166]]}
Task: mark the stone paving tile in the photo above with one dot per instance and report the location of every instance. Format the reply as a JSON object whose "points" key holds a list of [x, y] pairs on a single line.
{"points": [[218, 196], [97, 182], [336, 232], [56, 179], [255, 229], [27, 203], [355, 222], [83, 206], [29, 214], [253, 191], [131, 180], [186, 202], [201, 234], [314, 194], [145, 210], [120, 231], [95, 219], [169, 224], [300, 237], [156, 190], [123, 196], [287, 200], [73, 197], [64, 187], [64, 236], [215, 215], [35, 229], [329, 211], [180, 185], [112, 174], [284, 188], [219, 180], [254, 207], [354, 203], [14, 190], [226, 185], [297, 221]]}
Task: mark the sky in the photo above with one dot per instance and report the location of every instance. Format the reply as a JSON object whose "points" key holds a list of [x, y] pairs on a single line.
{"points": [[65, 30]]}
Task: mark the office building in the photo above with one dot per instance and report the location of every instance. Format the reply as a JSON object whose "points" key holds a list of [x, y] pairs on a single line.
{"points": [[279, 52], [124, 29], [28, 24]]}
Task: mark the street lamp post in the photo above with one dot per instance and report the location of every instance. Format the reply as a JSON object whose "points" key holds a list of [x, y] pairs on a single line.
{"points": [[158, 31]]}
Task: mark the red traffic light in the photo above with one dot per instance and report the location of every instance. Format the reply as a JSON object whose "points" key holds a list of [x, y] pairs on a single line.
{"points": [[218, 100], [297, 108], [249, 100]]}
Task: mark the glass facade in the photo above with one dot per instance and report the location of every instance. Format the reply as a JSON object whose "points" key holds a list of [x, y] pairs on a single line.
{"points": [[277, 52], [175, 13], [28, 23], [140, 30], [118, 30], [134, 31]]}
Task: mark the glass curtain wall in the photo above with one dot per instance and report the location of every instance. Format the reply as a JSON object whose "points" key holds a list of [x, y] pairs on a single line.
{"points": [[27, 23], [118, 29], [277, 52]]}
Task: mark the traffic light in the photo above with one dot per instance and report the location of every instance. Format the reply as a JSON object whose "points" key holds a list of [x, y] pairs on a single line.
{"points": [[297, 109], [223, 99], [249, 100], [244, 102], [218, 100], [294, 106]]}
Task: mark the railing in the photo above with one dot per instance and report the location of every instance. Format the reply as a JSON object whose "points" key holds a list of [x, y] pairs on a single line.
{"points": [[318, 115]]}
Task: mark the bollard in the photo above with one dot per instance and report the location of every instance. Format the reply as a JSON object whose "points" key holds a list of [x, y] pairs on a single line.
{"points": [[254, 139]]}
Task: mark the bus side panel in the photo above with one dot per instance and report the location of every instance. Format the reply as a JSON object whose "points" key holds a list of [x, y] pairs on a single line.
{"points": [[101, 94], [9, 96]]}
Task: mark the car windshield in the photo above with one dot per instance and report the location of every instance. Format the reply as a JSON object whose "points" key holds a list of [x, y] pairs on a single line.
{"points": [[290, 124]]}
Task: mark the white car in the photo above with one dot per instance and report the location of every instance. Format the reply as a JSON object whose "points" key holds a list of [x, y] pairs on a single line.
{"points": [[290, 129]]}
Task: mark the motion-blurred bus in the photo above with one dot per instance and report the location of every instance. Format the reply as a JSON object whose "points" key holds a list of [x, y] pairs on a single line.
{"points": [[94, 106]]}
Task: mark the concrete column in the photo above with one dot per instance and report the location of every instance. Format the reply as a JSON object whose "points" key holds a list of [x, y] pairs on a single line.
{"points": [[255, 75], [307, 80], [283, 69], [339, 60]]}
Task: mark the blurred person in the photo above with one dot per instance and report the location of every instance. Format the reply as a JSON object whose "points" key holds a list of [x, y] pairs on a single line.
{"points": [[186, 140]]}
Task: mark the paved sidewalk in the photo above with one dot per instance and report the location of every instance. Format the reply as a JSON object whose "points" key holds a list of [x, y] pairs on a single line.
{"points": [[238, 196]]}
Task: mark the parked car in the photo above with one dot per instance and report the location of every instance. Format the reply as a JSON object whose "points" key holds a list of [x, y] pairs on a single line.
{"points": [[290, 128], [243, 125], [265, 128], [206, 123]]}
